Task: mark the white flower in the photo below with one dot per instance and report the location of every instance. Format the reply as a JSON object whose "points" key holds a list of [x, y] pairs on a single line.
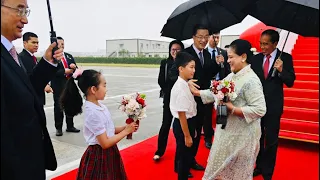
{"points": [[127, 97], [122, 108], [233, 96], [220, 95], [253, 50], [219, 87]]}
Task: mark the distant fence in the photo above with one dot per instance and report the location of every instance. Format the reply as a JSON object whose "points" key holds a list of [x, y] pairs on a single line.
{"points": [[114, 60]]}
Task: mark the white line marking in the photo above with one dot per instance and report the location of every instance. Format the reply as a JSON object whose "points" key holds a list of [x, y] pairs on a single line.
{"points": [[116, 96], [130, 76]]}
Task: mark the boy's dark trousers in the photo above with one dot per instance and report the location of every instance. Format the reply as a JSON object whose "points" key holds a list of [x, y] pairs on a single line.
{"points": [[184, 156]]}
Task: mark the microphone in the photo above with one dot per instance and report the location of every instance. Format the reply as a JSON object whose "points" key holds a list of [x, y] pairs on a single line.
{"points": [[221, 64], [274, 71]]}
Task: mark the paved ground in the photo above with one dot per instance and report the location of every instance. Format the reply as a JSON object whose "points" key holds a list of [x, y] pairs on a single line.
{"points": [[120, 81]]}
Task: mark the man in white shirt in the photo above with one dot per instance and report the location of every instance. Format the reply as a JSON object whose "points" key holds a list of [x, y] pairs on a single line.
{"points": [[184, 110]]}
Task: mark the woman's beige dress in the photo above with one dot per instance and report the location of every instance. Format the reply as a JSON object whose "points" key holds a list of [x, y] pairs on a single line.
{"points": [[235, 148]]}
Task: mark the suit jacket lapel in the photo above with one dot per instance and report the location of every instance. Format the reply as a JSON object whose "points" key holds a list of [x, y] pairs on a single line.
{"points": [[260, 66], [16, 68]]}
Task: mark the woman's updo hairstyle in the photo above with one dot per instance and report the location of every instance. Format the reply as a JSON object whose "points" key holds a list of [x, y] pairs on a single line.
{"points": [[240, 47]]}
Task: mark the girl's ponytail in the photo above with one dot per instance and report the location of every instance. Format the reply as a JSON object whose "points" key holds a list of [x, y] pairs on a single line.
{"points": [[70, 100]]}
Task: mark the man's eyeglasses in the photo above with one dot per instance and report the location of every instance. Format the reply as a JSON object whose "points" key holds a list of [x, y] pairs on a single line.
{"points": [[202, 37], [21, 11]]}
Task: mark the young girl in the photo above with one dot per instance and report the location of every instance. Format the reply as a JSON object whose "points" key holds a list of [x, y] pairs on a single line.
{"points": [[101, 160]]}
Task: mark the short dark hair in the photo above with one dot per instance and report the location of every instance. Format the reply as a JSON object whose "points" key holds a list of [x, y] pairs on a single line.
{"points": [[26, 36], [274, 35], [215, 32], [197, 27], [60, 38], [175, 42], [226, 46], [183, 59], [240, 47]]}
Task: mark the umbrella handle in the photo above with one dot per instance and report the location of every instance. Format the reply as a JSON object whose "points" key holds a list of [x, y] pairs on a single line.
{"points": [[275, 69]]}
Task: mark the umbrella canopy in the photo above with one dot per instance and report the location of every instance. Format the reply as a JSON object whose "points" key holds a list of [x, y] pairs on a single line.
{"points": [[215, 14], [298, 16]]}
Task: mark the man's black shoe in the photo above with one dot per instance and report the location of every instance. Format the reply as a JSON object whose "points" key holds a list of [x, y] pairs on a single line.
{"points": [[59, 132], [189, 174], [208, 145], [197, 167], [73, 129], [256, 172]]}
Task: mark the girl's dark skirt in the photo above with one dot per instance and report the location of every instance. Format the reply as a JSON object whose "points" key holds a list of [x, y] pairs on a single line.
{"points": [[101, 164]]}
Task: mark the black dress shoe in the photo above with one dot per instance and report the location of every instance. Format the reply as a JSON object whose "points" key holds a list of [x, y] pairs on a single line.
{"points": [[256, 172], [208, 145], [189, 174], [59, 132], [197, 167], [73, 129]]}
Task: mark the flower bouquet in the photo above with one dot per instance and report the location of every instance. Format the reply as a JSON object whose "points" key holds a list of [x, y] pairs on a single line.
{"points": [[224, 91], [135, 108]]}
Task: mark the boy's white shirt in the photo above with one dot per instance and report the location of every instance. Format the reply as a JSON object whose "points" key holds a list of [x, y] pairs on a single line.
{"points": [[182, 100]]}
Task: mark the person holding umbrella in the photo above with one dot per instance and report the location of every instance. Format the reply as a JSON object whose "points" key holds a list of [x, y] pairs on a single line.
{"points": [[26, 147], [263, 65]]}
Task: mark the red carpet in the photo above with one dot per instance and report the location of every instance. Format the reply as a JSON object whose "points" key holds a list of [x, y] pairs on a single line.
{"points": [[300, 119], [295, 161]]}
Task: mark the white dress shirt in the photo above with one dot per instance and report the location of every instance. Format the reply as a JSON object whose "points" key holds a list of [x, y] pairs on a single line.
{"points": [[198, 51], [210, 49], [97, 121], [182, 100]]}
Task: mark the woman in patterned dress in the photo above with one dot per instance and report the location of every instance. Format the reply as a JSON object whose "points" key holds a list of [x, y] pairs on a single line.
{"points": [[236, 147]]}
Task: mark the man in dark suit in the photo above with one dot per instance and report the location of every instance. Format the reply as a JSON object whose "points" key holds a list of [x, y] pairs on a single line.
{"points": [[66, 68], [205, 71], [26, 147], [29, 60], [263, 65], [215, 53]]}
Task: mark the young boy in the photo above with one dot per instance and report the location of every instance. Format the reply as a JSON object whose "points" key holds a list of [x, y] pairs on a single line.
{"points": [[184, 110]]}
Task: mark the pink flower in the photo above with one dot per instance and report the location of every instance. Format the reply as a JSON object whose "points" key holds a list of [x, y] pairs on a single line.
{"points": [[77, 73], [220, 95]]}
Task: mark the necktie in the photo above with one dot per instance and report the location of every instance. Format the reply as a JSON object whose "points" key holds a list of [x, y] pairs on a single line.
{"points": [[213, 54], [201, 58], [35, 59], [266, 66], [64, 62], [14, 54]]}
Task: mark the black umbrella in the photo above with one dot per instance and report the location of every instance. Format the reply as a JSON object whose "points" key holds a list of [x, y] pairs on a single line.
{"points": [[215, 14], [298, 16]]}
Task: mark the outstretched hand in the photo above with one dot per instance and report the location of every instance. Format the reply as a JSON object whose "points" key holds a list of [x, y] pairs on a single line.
{"points": [[194, 88]]}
